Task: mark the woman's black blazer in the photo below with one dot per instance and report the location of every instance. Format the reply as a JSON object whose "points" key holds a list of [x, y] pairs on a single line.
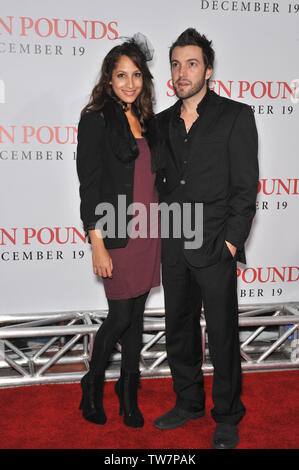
{"points": [[106, 154]]}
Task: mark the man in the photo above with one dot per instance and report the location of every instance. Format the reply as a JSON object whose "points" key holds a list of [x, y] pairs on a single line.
{"points": [[212, 159]]}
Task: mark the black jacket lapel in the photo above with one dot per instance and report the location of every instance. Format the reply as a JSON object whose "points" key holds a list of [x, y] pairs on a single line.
{"points": [[210, 115], [156, 144]]}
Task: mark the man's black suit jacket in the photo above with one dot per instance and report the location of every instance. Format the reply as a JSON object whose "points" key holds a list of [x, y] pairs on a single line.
{"points": [[222, 173]]}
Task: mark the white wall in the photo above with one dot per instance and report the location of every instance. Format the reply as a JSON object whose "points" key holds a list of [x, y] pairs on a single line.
{"points": [[45, 80]]}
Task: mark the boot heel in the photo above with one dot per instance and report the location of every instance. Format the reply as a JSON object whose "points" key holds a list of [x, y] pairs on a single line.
{"points": [[118, 393], [81, 404]]}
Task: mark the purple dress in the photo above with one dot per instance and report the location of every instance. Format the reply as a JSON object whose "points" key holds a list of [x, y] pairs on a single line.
{"points": [[136, 267]]}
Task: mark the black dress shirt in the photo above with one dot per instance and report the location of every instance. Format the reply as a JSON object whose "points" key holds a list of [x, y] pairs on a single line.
{"points": [[182, 137]]}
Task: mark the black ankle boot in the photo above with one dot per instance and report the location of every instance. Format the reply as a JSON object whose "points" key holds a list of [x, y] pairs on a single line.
{"points": [[126, 390], [92, 399]]}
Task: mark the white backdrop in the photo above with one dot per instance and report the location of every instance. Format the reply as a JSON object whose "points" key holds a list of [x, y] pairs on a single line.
{"points": [[50, 57]]}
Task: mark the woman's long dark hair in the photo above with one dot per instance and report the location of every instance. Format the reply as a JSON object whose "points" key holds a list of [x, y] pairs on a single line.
{"points": [[102, 92]]}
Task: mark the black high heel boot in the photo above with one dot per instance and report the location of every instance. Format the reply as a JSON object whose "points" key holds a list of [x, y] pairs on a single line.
{"points": [[92, 399], [126, 390]]}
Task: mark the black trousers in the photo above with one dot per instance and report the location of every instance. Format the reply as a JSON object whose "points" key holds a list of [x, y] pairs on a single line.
{"points": [[186, 288]]}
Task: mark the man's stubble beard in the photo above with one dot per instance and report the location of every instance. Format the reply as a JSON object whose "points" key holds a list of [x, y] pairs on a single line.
{"points": [[196, 89]]}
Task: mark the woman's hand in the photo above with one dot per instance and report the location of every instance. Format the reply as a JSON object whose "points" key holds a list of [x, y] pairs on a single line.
{"points": [[101, 260]]}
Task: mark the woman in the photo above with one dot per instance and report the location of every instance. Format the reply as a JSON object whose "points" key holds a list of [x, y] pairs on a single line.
{"points": [[118, 154]]}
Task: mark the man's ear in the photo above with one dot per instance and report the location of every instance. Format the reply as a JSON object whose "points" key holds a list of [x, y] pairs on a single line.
{"points": [[209, 72]]}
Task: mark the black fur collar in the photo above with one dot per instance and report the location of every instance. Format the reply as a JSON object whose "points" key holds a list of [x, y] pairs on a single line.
{"points": [[121, 138]]}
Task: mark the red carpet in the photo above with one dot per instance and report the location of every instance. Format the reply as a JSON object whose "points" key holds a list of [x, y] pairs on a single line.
{"points": [[47, 417]]}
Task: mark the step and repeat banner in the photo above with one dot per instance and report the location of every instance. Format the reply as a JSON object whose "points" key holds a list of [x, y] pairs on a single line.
{"points": [[50, 58]]}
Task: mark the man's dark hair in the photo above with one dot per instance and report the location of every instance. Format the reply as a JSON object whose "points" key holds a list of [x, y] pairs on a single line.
{"points": [[191, 37]]}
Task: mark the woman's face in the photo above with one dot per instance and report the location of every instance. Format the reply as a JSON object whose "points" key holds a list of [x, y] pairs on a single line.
{"points": [[126, 80]]}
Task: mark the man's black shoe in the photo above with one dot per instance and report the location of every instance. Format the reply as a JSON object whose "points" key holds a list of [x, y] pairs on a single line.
{"points": [[226, 436], [176, 417]]}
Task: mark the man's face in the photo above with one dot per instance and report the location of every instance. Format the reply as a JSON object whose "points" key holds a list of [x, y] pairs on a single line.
{"points": [[188, 71]]}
